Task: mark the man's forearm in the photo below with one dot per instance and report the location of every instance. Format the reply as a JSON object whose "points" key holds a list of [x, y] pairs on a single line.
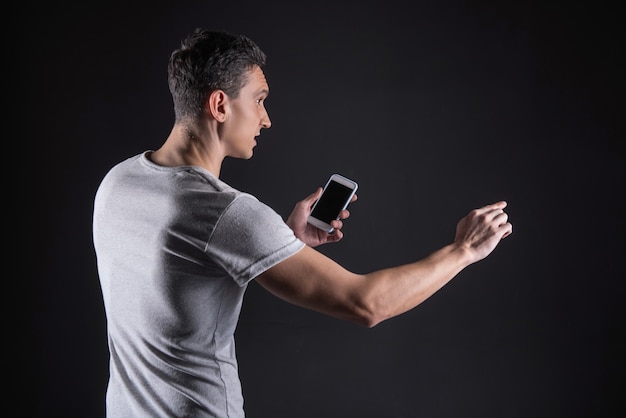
{"points": [[393, 291]]}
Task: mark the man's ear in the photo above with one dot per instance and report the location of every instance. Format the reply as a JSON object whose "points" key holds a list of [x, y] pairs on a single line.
{"points": [[218, 105]]}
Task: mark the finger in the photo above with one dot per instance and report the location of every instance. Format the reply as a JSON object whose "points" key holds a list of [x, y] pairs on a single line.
{"points": [[489, 208], [310, 199], [337, 224], [499, 216], [336, 236], [344, 214], [507, 229], [354, 198], [316, 194]]}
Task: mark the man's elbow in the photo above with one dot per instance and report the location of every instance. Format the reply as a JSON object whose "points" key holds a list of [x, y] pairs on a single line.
{"points": [[370, 313], [369, 322]]}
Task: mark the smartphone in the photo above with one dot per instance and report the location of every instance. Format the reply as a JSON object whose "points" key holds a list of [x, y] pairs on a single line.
{"points": [[336, 196]]}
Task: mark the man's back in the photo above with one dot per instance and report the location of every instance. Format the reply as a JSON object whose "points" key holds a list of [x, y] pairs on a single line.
{"points": [[174, 258]]}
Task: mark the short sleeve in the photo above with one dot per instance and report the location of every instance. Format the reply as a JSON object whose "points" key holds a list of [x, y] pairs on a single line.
{"points": [[249, 238]]}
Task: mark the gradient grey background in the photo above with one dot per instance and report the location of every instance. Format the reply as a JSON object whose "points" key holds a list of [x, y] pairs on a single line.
{"points": [[435, 108]]}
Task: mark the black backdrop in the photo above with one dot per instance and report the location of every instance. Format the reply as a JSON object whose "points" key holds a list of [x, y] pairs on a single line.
{"points": [[434, 108]]}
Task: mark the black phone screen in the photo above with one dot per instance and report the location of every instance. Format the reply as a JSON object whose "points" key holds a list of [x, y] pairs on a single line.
{"points": [[332, 202]]}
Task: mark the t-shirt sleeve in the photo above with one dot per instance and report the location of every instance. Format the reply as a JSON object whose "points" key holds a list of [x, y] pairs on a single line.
{"points": [[249, 238]]}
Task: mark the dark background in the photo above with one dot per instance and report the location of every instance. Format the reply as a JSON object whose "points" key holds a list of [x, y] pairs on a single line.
{"points": [[435, 108]]}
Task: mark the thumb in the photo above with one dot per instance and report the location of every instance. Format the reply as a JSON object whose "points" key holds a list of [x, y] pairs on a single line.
{"points": [[314, 196], [310, 199]]}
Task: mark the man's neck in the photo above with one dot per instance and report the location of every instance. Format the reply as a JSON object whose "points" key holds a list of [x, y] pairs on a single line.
{"points": [[186, 148]]}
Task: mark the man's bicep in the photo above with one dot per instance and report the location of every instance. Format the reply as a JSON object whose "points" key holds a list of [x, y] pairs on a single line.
{"points": [[314, 281]]}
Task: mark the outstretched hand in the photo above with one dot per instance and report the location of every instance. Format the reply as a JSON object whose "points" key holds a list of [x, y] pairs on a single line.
{"points": [[309, 234], [482, 229]]}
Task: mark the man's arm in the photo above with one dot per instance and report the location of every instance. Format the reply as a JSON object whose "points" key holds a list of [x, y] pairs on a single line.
{"points": [[314, 281]]}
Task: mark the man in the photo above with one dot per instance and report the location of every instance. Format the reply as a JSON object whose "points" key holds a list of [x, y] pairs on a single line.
{"points": [[176, 246]]}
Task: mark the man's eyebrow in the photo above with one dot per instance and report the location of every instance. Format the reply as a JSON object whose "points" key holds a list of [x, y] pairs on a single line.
{"points": [[263, 91]]}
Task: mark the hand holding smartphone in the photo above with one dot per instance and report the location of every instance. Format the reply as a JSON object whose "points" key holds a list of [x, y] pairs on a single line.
{"points": [[335, 197]]}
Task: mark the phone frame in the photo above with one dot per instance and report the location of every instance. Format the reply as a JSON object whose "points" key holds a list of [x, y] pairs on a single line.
{"points": [[339, 179]]}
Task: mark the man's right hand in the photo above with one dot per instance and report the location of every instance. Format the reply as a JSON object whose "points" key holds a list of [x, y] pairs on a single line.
{"points": [[480, 231]]}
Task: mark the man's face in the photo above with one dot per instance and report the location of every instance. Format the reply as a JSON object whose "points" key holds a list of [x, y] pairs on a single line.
{"points": [[247, 117]]}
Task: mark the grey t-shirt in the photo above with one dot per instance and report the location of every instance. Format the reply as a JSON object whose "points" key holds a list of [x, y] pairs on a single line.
{"points": [[176, 248]]}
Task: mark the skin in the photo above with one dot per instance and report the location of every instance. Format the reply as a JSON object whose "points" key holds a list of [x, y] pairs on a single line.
{"points": [[229, 128]]}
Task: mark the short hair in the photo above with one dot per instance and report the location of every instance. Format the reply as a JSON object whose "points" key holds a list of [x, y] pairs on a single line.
{"points": [[207, 61]]}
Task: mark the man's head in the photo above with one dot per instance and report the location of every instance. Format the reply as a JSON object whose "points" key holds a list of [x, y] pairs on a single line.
{"points": [[209, 61]]}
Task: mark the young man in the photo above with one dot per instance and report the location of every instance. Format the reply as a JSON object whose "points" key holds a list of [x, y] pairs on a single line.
{"points": [[176, 246]]}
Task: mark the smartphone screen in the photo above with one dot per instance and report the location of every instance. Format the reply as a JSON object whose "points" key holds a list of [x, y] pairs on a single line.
{"points": [[332, 202]]}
